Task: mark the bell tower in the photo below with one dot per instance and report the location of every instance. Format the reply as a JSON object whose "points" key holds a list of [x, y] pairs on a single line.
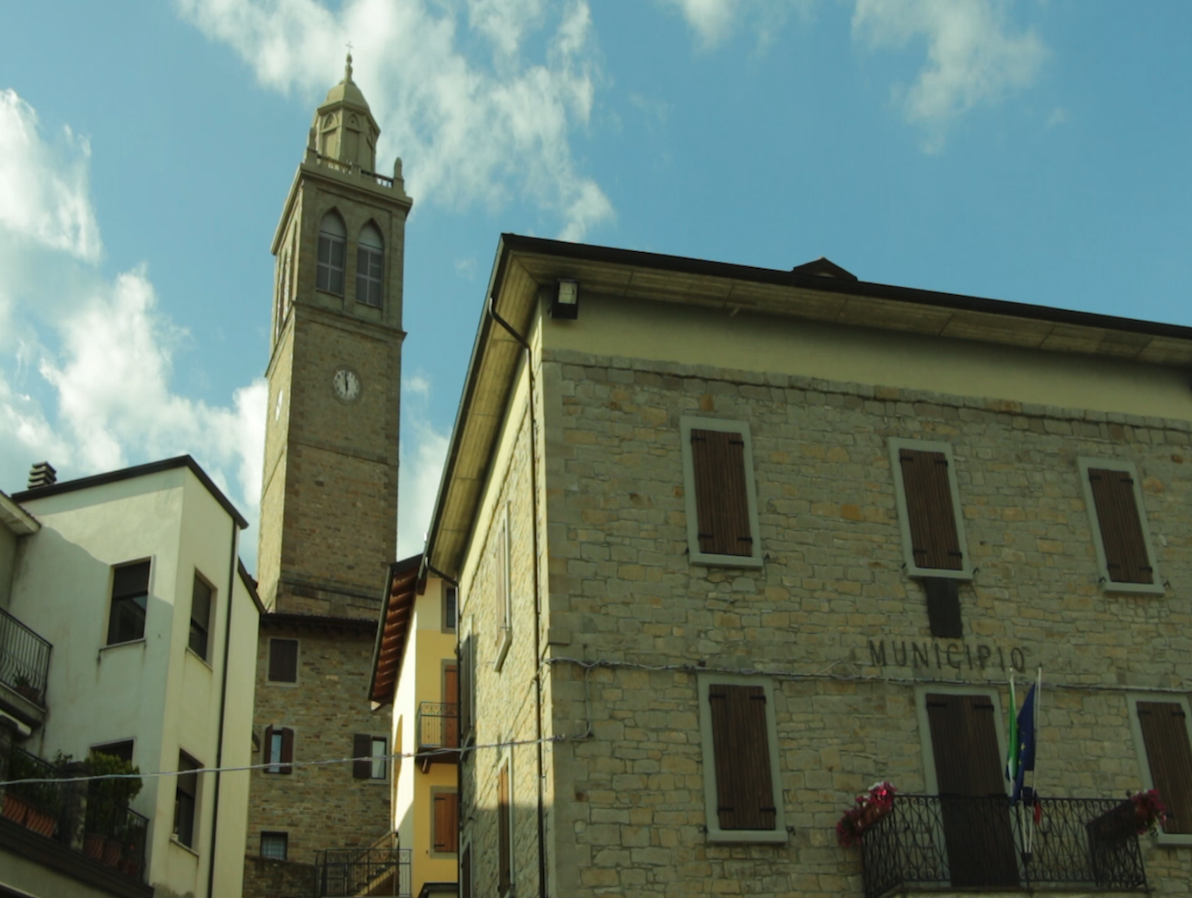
{"points": [[329, 486]]}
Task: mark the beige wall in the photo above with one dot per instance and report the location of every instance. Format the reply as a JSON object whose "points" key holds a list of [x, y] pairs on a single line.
{"points": [[638, 329], [154, 691]]}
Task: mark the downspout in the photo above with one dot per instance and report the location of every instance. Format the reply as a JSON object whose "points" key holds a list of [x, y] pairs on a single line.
{"points": [[223, 701], [492, 311]]}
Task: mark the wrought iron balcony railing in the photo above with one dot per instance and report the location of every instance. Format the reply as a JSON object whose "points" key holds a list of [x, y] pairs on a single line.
{"points": [[931, 841], [24, 659], [71, 813], [438, 732], [343, 872]]}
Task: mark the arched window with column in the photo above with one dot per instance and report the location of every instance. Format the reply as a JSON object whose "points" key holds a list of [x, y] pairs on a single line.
{"points": [[370, 266], [329, 276]]}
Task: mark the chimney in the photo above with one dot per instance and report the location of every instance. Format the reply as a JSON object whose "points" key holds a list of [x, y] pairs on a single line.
{"points": [[42, 474]]}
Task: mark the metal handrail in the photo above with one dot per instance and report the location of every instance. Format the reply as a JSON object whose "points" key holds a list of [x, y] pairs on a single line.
{"points": [[341, 872], [929, 841], [438, 725], [24, 659]]}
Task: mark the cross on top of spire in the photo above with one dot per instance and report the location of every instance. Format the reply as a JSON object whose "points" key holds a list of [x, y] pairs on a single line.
{"points": [[348, 64]]}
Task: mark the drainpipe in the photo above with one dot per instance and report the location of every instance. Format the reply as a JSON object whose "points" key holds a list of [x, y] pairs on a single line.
{"points": [[492, 311], [223, 702]]}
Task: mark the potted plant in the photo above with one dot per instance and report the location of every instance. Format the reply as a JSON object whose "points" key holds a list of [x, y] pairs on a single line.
{"points": [[107, 806], [1149, 812], [18, 798], [864, 815], [25, 687], [1140, 813]]}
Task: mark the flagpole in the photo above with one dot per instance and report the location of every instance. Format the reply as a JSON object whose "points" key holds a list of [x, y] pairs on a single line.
{"points": [[1034, 791]]}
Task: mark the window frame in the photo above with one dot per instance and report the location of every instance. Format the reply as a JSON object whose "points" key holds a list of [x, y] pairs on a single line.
{"points": [[102, 748], [687, 423], [297, 661], [502, 578], [328, 265], [285, 845], [283, 763], [191, 764], [1155, 587], [365, 253], [922, 690], [112, 599], [363, 769], [777, 835], [436, 791], [1144, 763], [965, 572], [205, 655]]}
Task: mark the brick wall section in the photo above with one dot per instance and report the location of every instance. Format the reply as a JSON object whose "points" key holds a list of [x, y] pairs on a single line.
{"points": [[630, 801], [320, 807]]}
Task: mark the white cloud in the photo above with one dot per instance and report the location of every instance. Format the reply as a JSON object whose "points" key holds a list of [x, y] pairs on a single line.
{"points": [[423, 451], [1058, 116], [712, 20], [44, 194], [85, 372], [973, 58], [466, 133]]}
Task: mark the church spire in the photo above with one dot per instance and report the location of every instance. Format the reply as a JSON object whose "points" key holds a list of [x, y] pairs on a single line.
{"points": [[344, 127]]}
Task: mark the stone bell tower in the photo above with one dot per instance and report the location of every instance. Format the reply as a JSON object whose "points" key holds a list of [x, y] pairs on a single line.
{"points": [[329, 489]]}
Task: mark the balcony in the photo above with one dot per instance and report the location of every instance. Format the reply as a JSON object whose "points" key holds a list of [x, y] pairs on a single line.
{"points": [[438, 734], [930, 842], [375, 871], [24, 667], [71, 816]]}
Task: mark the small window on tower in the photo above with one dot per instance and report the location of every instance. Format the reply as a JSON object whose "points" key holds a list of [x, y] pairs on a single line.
{"points": [[329, 274], [370, 267]]}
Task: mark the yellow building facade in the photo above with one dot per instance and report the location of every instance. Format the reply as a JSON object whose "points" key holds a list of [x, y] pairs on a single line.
{"points": [[416, 671]]}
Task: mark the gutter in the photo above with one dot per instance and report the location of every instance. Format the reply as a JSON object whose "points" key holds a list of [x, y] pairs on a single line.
{"points": [[233, 563]]}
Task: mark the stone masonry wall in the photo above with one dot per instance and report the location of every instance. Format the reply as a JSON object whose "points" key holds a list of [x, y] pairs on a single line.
{"points": [[319, 807], [831, 601]]}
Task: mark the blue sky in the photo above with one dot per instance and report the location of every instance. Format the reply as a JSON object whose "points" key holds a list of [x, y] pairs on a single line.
{"points": [[1035, 151]]}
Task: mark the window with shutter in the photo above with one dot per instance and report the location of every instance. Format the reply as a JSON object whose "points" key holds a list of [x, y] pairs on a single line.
{"points": [[720, 493], [928, 502], [1163, 726], [1118, 522], [742, 788], [504, 833], [277, 749], [445, 822], [967, 763], [501, 587], [283, 660]]}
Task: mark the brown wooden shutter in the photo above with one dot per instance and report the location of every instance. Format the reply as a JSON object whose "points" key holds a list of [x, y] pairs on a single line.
{"points": [[504, 842], [1121, 528], [465, 873], [451, 712], [267, 753], [362, 748], [447, 822], [973, 800], [721, 492], [741, 747], [932, 519], [287, 750], [1165, 734], [283, 660], [943, 607]]}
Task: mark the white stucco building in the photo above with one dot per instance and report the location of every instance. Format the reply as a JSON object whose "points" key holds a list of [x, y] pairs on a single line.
{"points": [[133, 580]]}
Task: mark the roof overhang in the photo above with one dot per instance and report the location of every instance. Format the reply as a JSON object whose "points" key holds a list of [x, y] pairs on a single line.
{"points": [[16, 518], [393, 629], [817, 292]]}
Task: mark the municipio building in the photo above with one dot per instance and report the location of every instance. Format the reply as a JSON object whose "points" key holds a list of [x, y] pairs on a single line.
{"points": [[733, 544]]}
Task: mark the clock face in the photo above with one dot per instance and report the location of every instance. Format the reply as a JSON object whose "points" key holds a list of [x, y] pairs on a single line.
{"points": [[346, 384]]}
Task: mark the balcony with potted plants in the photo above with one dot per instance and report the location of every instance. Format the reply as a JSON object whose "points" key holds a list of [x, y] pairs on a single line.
{"points": [[24, 668], [84, 829]]}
